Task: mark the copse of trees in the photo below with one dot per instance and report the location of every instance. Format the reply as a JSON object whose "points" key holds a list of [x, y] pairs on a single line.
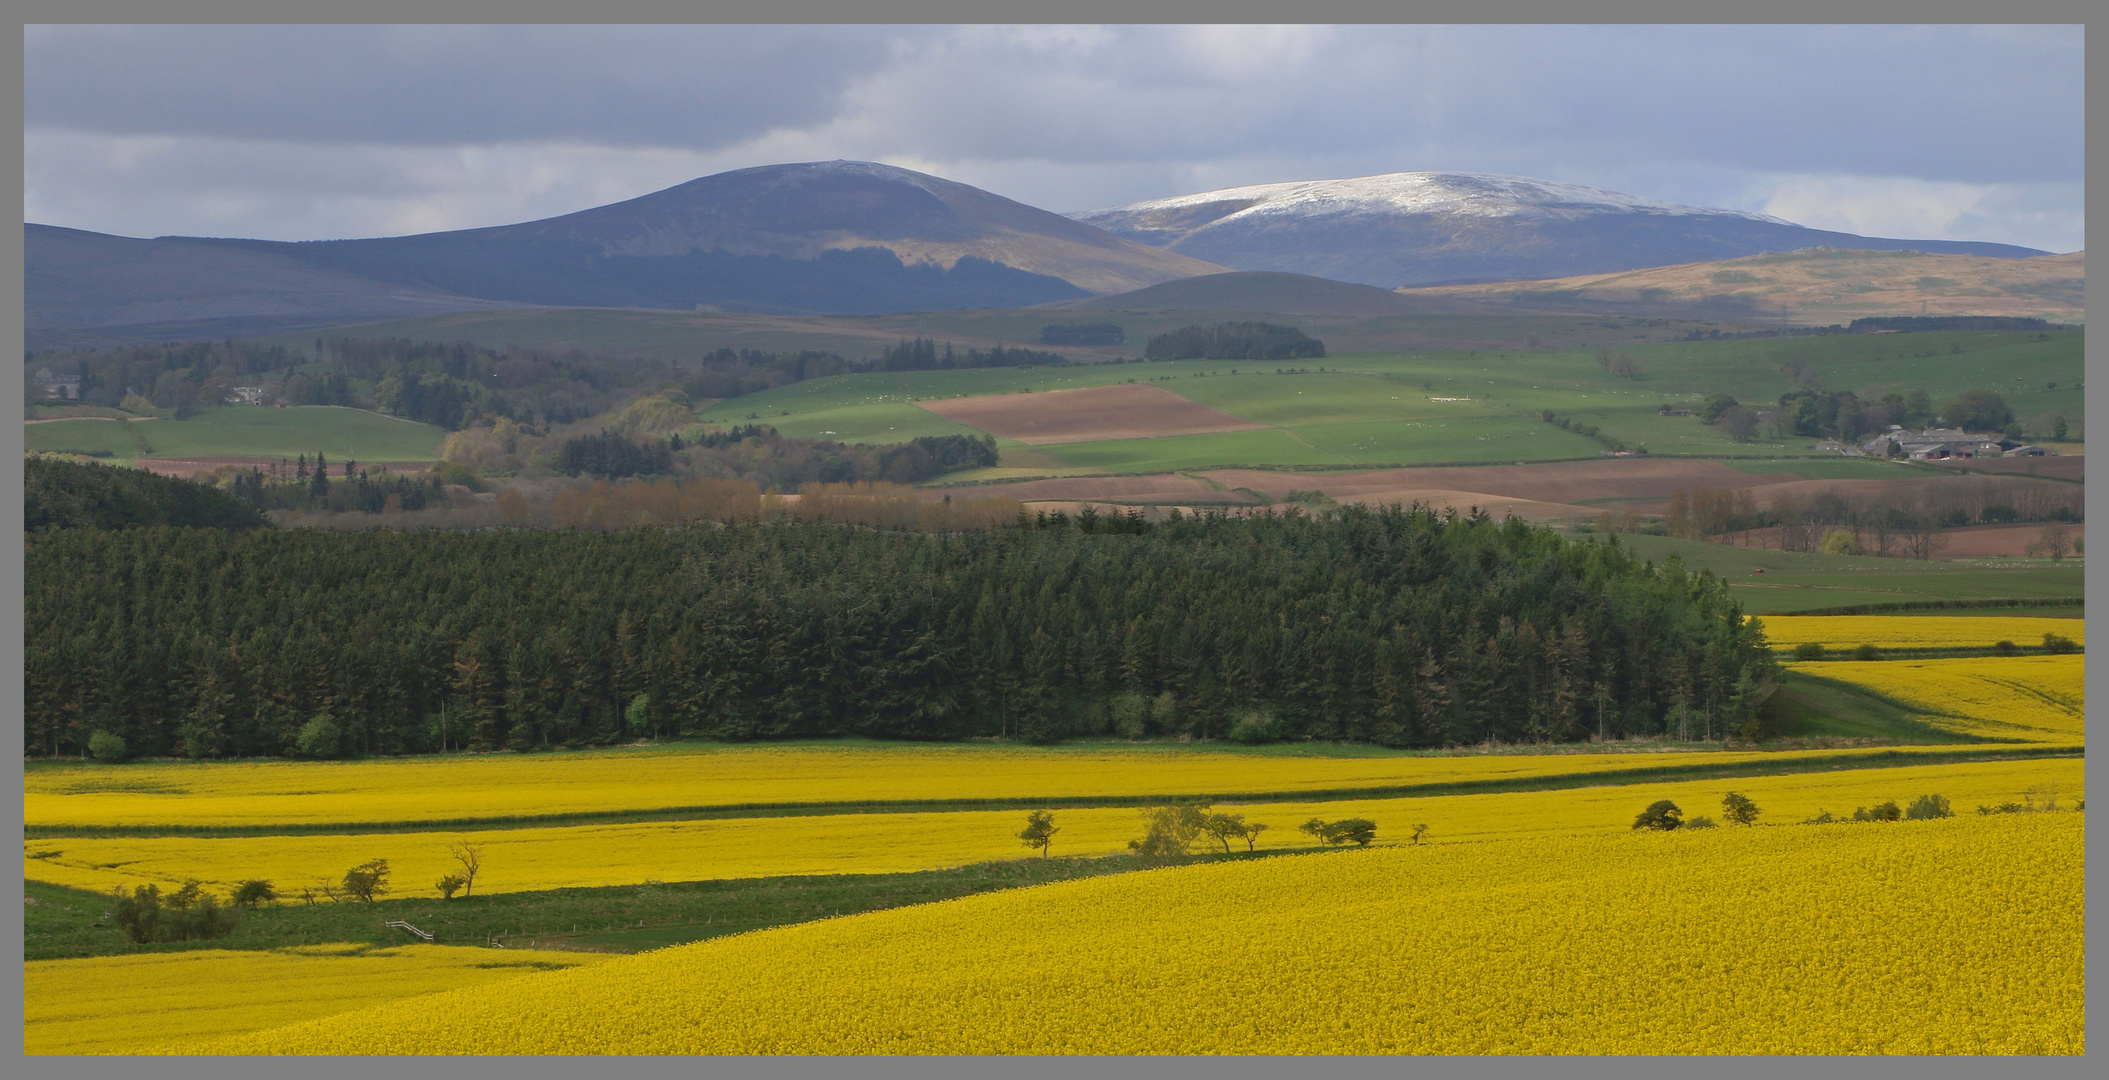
{"points": [[76, 495], [1397, 626], [1234, 341]]}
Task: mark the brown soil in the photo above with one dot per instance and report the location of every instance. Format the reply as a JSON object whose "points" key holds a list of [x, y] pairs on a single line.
{"points": [[2061, 467], [1165, 488], [1087, 415], [1563, 482]]}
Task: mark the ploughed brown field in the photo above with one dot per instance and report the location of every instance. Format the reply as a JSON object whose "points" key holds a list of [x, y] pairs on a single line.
{"points": [[1088, 415], [189, 467]]}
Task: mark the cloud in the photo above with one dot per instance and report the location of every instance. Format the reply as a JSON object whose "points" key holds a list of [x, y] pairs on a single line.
{"points": [[410, 123], [2047, 216]]}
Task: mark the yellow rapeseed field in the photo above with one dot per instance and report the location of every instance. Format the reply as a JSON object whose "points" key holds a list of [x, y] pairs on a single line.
{"points": [[124, 1004], [1916, 630], [514, 785], [1956, 936], [519, 860], [2030, 698]]}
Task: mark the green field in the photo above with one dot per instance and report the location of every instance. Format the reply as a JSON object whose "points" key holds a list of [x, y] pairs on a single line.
{"points": [[246, 431], [1376, 408], [1797, 581]]}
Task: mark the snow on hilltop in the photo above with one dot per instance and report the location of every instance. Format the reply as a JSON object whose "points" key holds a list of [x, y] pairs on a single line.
{"points": [[1464, 194]]}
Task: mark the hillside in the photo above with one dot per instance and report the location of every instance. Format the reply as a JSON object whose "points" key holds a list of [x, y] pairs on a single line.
{"points": [[1414, 228], [1276, 293], [1813, 286], [87, 289], [826, 237]]}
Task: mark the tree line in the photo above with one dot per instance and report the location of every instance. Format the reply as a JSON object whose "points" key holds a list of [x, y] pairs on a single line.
{"points": [[1234, 341], [922, 354], [1397, 626]]}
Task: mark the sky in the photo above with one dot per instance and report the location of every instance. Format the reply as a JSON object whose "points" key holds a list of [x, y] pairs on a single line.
{"points": [[323, 132]]}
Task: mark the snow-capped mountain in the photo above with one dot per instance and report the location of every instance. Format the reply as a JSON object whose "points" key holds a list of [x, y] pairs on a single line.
{"points": [[1414, 228]]}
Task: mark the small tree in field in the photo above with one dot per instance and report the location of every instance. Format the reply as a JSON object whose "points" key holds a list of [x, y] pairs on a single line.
{"points": [[1223, 827], [471, 859], [448, 886], [254, 893], [1252, 834], [1738, 809], [1418, 832], [367, 880], [1661, 815], [1039, 831], [1314, 828], [1354, 830]]}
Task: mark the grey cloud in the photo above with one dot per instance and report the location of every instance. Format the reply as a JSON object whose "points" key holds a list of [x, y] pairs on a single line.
{"points": [[618, 85]]}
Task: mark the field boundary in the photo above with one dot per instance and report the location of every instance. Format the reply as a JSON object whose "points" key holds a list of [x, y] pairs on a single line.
{"points": [[1979, 751]]}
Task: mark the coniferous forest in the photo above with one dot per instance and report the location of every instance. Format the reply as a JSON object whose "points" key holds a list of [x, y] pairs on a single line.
{"points": [[1394, 626]]}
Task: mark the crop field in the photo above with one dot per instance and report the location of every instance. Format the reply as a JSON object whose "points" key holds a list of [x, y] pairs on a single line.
{"points": [[91, 1006], [1609, 944], [1923, 630], [246, 431], [1768, 582], [532, 859], [2026, 698], [1562, 929], [699, 777]]}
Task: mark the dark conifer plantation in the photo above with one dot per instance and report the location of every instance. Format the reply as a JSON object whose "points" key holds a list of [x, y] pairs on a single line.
{"points": [[1395, 626]]}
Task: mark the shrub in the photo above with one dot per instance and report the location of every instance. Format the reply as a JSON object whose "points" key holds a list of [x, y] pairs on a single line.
{"points": [[1809, 650], [1131, 715], [1661, 815], [1823, 817], [1928, 807], [2003, 808], [1867, 652], [1170, 830], [449, 885], [2005, 648], [1738, 808], [1252, 726], [318, 737], [2059, 643], [189, 913], [1888, 811], [1700, 822], [104, 746], [1839, 542]]}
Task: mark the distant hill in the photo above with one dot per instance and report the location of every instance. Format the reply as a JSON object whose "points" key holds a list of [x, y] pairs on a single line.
{"points": [[1276, 293], [837, 237], [1417, 228], [1818, 286]]}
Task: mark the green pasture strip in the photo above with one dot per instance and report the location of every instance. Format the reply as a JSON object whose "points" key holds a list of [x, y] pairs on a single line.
{"points": [[2059, 607], [247, 431], [1812, 706], [1796, 582], [1699, 770], [1949, 652], [64, 922]]}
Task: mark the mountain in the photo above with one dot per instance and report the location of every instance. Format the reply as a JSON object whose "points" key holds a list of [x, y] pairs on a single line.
{"points": [[1416, 228], [1813, 286], [837, 237]]}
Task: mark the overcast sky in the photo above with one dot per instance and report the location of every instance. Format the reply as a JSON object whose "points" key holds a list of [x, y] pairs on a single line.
{"points": [[296, 133]]}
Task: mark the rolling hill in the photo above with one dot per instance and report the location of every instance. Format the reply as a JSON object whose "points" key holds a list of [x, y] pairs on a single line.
{"points": [[838, 237], [1416, 228], [1814, 286], [1277, 293]]}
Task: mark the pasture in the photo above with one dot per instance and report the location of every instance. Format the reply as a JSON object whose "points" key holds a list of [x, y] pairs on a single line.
{"points": [[246, 432]]}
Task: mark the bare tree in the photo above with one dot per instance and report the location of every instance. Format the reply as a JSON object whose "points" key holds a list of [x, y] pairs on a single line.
{"points": [[471, 859], [2055, 541]]}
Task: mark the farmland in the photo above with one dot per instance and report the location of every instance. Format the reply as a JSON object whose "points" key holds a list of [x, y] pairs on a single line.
{"points": [[1864, 914], [743, 853], [244, 431]]}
